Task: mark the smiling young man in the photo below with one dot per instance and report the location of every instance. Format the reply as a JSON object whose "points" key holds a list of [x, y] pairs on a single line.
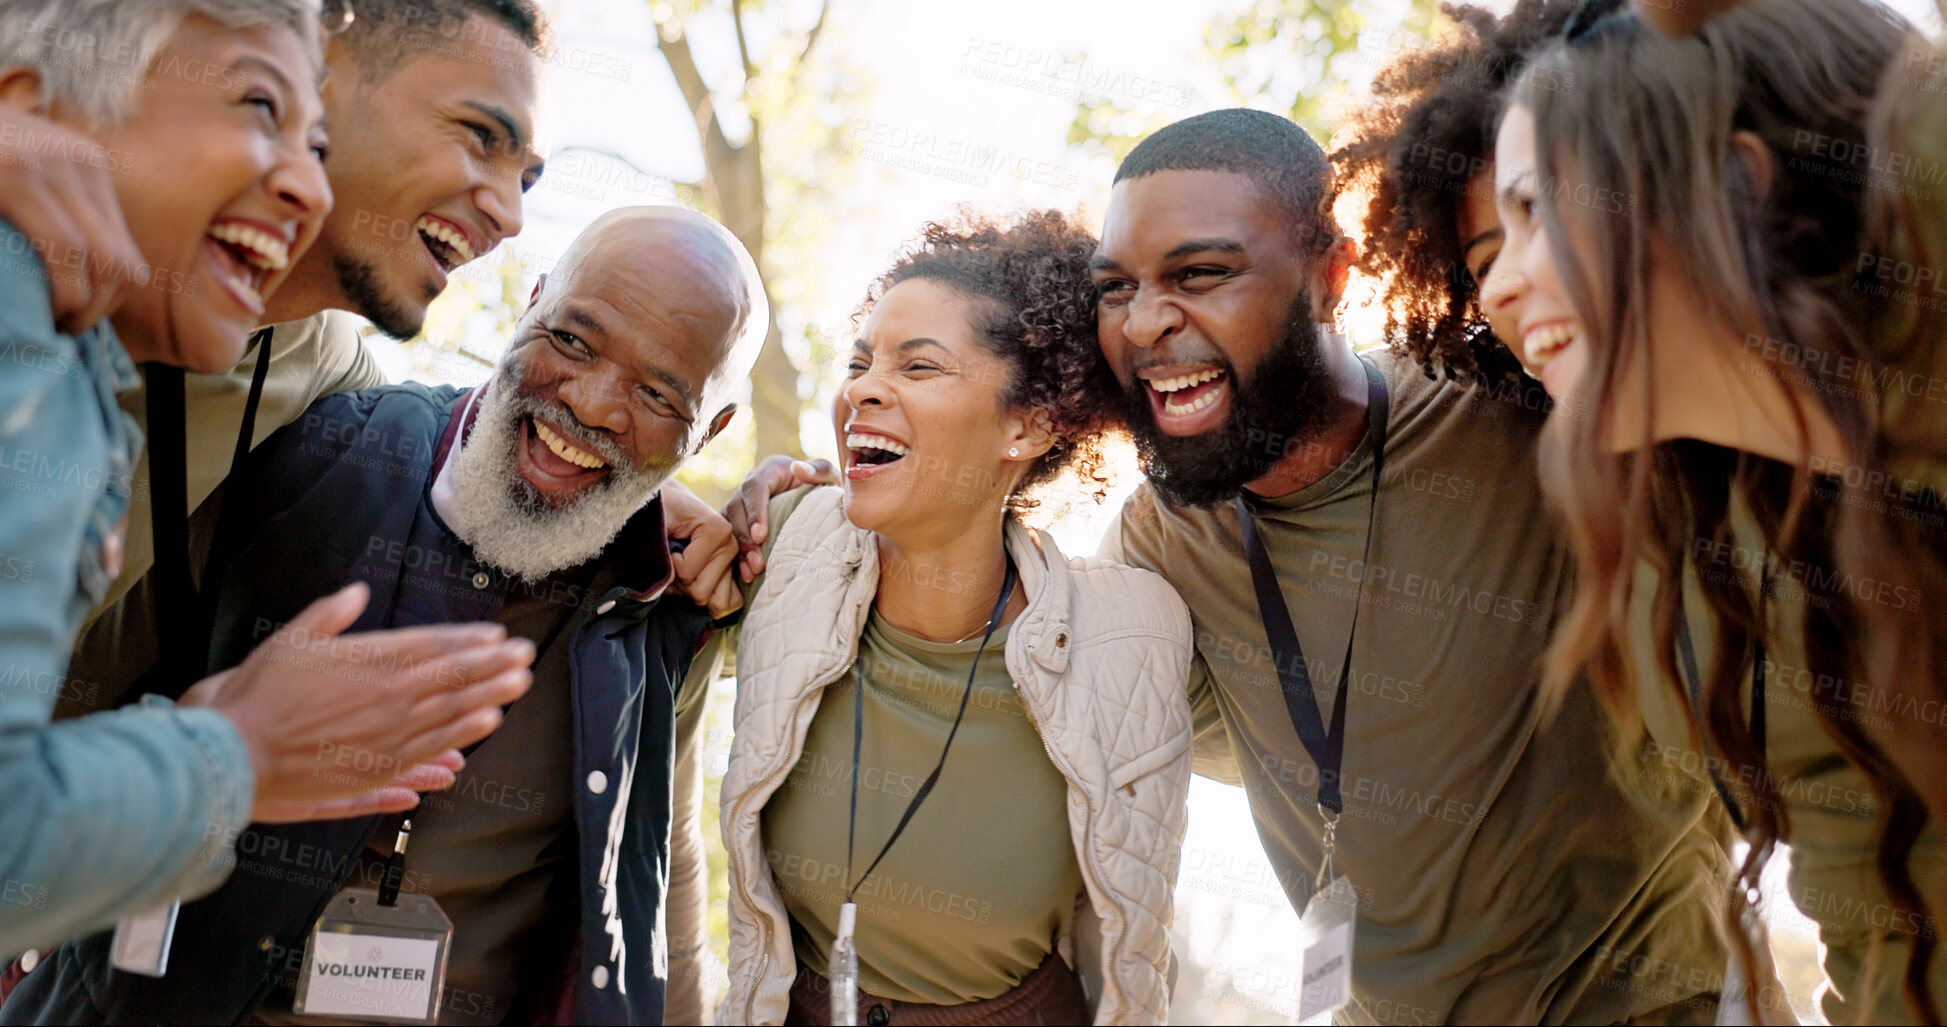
{"points": [[530, 502], [433, 108], [1502, 873]]}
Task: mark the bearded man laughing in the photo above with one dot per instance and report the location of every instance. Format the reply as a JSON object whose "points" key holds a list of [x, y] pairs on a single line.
{"points": [[532, 502]]}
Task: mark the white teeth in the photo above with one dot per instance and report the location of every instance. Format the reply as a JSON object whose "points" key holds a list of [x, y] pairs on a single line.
{"points": [[560, 447], [1543, 343], [241, 286], [1192, 406], [444, 233], [858, 440], [1184, 381], [260, 248]]}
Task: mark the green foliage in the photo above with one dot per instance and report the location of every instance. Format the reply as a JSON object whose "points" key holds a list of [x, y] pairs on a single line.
{"points": [[1296, 57]]}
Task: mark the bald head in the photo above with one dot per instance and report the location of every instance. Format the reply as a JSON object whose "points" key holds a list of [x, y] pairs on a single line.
{"points": [[621, 367], [683, 271]]}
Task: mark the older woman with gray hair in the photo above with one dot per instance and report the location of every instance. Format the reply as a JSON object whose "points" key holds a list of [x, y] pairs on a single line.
{"points": [[208, 113]]}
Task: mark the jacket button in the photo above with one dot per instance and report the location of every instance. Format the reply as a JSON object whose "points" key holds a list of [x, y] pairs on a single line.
{"points": [[266, 943], [1061, 640], [29, 960], [600, 977], [878, 1016], [597, 782], [480, 579], [605, 607]]}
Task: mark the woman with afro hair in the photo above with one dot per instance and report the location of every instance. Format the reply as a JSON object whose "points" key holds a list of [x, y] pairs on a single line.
{"points": [[1422, 154], [958, 753]]}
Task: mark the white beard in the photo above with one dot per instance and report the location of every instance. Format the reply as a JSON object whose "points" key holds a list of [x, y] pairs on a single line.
{"points": [[507, 522]]}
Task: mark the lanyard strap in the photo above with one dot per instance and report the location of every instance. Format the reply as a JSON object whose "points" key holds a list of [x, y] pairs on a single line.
{"points": [[169, 523], [395, 865], [1327, 748], [1687, 649], [183, 623], [858, 735]]}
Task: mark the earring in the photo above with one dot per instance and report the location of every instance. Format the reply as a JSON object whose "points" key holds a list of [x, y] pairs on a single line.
{"points": [[1014, 451]]}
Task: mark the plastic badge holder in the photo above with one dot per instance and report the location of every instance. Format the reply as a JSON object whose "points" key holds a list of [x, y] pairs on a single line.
{"points": [[141, 943], [1325, 933], [381, 964]]}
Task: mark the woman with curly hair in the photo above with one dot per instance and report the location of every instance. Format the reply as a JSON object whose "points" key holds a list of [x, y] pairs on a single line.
{"points": [[1422, 153], [958, 753]]}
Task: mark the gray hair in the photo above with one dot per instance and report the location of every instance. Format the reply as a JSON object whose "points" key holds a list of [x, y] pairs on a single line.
{"points": [[93, 54]]}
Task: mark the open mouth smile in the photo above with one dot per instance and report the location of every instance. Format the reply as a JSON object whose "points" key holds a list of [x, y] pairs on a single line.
{"points": [[1545, 342], [448, 245], [1187, 399], [869, 452], [554, 462], [245, 255]]}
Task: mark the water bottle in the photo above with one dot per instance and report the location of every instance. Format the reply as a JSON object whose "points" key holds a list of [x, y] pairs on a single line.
{"points": [[844, 969]]}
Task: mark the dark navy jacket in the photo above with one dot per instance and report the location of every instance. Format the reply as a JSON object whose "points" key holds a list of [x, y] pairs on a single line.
{"points": [[340, 496]]}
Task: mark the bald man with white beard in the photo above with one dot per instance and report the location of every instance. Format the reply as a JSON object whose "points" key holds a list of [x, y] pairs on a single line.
{"points": [[531, 502]]}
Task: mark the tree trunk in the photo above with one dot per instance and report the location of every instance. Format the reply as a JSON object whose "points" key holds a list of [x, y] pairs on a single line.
{"points": [[734, 177]]}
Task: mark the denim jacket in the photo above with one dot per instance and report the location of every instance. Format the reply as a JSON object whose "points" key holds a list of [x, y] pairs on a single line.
{"points": [[116, 813]]}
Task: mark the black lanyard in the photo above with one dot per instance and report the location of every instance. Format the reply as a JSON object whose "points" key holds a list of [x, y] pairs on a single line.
{"points": [[858, 735], [183, 624], [1688, 650], [1327, 748]]}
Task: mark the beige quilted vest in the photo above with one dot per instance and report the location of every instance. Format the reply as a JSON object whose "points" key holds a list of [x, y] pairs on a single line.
{"points": [[1099, 657]]}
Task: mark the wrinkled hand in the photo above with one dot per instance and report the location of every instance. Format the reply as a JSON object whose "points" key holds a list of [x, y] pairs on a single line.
{"points": [[703, 568], [343, 725], [67, 209], [749, 510]]}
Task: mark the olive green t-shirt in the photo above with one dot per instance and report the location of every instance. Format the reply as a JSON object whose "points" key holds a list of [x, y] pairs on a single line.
{"points": [[1504, 876], [1829, 804], [984, 880]]}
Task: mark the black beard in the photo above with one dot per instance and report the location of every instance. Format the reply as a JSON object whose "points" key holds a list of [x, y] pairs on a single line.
{"points": [[1282, 406], [360, 282]]}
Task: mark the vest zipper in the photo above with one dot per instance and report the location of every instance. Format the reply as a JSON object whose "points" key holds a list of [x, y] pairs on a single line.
{"points": [[853, 632], [736, 871]]}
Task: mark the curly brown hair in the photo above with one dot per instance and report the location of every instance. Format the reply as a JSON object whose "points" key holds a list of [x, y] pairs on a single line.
{"points": [[1037, 312], [1417, 147]]}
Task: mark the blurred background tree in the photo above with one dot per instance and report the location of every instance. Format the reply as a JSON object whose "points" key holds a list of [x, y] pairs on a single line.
{"points": [[1299, 58], [767, 126]]}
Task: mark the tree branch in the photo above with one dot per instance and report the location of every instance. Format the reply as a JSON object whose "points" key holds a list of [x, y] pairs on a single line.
{"points": [[696, 93], [743, 47], [818, 26]]}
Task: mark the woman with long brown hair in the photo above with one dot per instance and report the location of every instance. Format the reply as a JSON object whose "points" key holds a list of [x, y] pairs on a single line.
{"points": [[1689, 217]]}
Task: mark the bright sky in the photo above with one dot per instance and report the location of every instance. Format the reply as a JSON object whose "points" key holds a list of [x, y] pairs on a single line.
{"points": [[959, 103]]}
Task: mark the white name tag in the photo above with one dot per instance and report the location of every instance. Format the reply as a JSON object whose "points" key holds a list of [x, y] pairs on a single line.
{"points": [[371, 962], [370, 976], [1325, 932]]}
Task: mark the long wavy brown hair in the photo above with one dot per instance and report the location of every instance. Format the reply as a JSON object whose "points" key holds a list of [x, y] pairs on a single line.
{"points": [[1905, 270], [1652, 119]]}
